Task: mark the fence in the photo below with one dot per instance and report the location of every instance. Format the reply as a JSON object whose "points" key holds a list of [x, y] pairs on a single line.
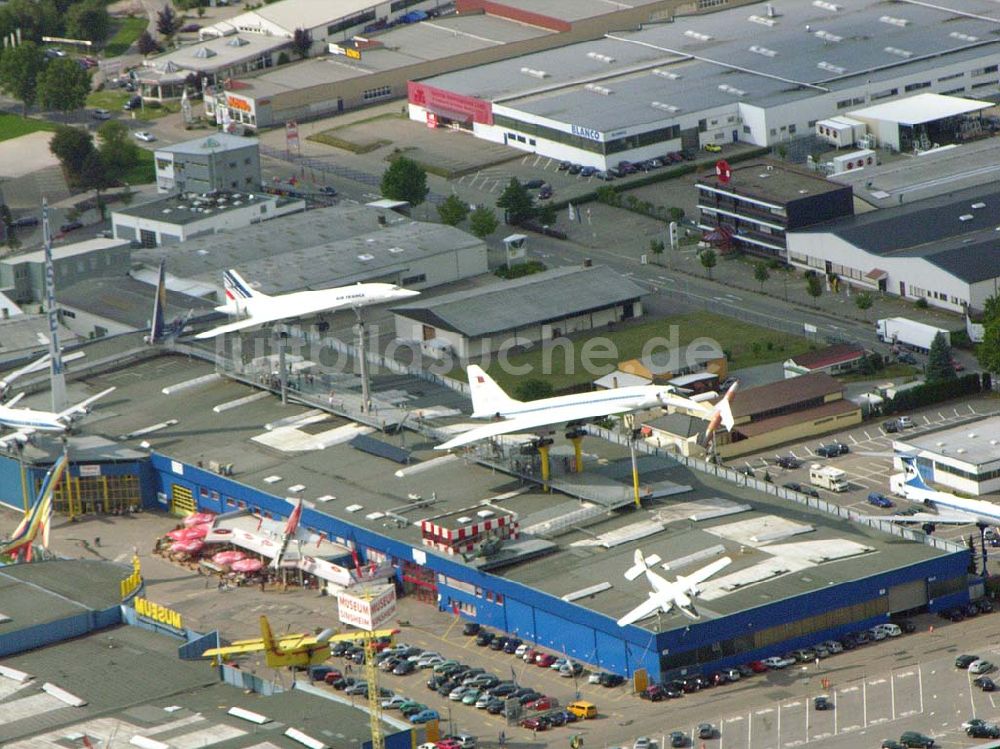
{"points": [[781, 492], [244, 680]]}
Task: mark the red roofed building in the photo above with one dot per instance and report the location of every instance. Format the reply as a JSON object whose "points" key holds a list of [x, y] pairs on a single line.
{"points": [[833, 360]]}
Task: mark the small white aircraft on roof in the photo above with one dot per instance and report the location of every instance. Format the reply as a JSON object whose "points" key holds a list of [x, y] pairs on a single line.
{"points": [[942, 507], [665, 594], [27, 421], [259, 309], [490, 401]]}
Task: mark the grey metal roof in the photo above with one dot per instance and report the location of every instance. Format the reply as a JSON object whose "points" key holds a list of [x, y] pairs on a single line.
{"points": [[946, 231], [214, 143], [523, 302], [311, 250], [184, 705], [973, 443], [718, 50], [127, 301], [22, 333]]}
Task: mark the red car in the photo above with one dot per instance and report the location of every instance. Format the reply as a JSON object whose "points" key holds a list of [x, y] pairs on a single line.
{"points": [[534, 724], [449, 744], [542, 703], [529, 657], [758, 667], [332, 676], [544, 660]]}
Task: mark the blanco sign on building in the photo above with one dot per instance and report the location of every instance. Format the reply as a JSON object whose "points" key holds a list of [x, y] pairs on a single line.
{"points": [[368, 608]]}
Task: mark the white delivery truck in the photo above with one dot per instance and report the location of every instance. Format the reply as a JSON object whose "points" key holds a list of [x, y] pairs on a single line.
{"points": [[828, 477], [910, 333]]}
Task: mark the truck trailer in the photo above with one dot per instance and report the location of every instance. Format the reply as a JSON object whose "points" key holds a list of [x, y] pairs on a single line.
{"points": [[909, 333]]}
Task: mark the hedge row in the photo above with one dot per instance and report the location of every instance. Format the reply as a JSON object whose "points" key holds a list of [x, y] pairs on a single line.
{"points": [[936, 392]]}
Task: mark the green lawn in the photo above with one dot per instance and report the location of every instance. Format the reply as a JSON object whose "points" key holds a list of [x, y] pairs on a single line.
{"points": [[14, 126], [156, 110], [144, 172], [890, 372], [110, 100], [747, 345], [128, 30]]}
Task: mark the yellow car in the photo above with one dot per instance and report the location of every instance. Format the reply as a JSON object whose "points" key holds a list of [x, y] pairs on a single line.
{"points": [[712, 148]]}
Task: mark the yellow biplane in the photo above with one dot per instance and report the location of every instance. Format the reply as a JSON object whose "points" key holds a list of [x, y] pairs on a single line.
{"points": [[294, 650]]}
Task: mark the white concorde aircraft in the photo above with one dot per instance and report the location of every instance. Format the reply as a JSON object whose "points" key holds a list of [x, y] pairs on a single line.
{"points": [[259, 309], [490, 401]]}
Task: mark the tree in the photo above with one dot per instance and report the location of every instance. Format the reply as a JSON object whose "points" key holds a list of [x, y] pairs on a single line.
{"points": [[991, 308], [146, 44], [302, 42], [166, 21], [517, 203], [864, 302], [63, 85], [657, 247], [708, 260], [676, 214], [19, 71], [88, 20], [533, 389], [988, 352], [939, 367], [814, 286], [548, 214], [94, 176], [72, 146], [761, 274], [483, 221], [405, 180], [118, 152], [453, 210]]}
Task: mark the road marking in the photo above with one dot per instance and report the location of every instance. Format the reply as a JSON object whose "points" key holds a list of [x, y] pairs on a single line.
{"points": [[847, 729], [848, 689], [732, 720]]}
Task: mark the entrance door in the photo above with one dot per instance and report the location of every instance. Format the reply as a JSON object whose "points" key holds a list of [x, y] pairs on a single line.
{"points": [[181, 500], [902, 289], [429, 333]]}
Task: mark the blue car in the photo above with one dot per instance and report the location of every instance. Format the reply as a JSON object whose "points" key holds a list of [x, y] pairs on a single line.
{"points": [[424, 716], [879, 500]]}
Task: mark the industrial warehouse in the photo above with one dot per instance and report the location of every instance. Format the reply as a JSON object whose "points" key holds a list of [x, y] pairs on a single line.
{"points": [[479, 536], [755, 75]]}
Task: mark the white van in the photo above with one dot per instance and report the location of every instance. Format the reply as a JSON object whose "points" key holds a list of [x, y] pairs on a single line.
{"points": [[892, 630]]}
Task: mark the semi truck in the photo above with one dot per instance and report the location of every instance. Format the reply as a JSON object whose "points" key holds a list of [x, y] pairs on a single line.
{"points": [[909, 333], [828, 477]]}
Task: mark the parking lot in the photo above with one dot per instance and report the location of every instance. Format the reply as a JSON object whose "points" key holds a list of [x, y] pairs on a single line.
{"points": [[869, 463]]}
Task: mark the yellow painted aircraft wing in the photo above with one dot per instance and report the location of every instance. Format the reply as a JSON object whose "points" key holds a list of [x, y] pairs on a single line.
{"points": [[353, 636], [243, 646]]}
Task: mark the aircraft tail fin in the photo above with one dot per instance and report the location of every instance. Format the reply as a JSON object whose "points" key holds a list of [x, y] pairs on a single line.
{"points": [[239, 293], [641, 565], [157, 326], [267, 636], [722, 413], [912, 472], [488, 398]]}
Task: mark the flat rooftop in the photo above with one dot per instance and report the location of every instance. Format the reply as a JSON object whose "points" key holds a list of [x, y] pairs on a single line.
{"points": [[340, 477], [734, 56], [67, 250], [974, 443], [919, 109], [214, 143], [401, 46], [768, 180], [185, 705], [128, 301], [32, 594], [316, 249], [190, 208]]}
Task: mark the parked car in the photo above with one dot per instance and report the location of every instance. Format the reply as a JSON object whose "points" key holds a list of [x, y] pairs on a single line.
{"points": [[535, 724], [985, 683], [965, 660], [484, 638], [611, 680], [822, 703], [653, 693], [471, 697], [534, 184], [832, 450], [988, 731], [603, 175], [705, 731], [134, 102], [575, 168], [879, 500], [758, 667], [25, 221], [788, 461], [404, 667], [570, 670], [642, 742], [70, 226], [495, 706], [671, 691], [777, 662], [905, 422], [980, 666], [497, 643], [424, 716], [712, 148], [503, 689], [890, 427], [101, 114], [542, 703], [678, 738], [916, 739], [588, 171], [563, 166], [544, 660], [511, 645], [394, 703], [332, 192]]}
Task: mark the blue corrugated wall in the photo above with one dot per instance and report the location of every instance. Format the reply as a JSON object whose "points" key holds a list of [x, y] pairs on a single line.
{"points": [[541, 618]]}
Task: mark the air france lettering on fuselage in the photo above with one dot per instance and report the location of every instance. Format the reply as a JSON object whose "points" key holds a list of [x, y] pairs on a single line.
{"points": [[586, 132]]}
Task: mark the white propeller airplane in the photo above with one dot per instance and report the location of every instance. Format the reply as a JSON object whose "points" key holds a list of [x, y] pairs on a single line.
{"points": [[27, 421], [665, 594], [489, 401], [259, 309], [942, 507]]}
